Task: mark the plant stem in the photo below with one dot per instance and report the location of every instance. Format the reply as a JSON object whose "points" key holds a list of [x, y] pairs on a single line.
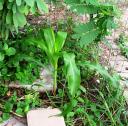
{"points": [[55, 77]]}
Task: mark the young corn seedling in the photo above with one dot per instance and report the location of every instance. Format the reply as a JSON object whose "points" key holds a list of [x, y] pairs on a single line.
{"points": [[52, 43]]}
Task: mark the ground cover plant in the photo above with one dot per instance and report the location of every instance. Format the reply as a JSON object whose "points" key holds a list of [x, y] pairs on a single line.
{"points": [[19, 61], [122, 42], [13, 14], [87, 93]]}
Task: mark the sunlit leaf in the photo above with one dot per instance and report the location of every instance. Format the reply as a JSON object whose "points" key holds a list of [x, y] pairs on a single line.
{"points": [[72, 73]]}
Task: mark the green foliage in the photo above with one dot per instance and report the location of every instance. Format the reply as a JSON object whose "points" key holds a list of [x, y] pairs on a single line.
{"points": [[19, 61], [98, 68], [98, 101], [72, 73], [100, 24], [86, 33], [3, 90], [6, 51], [13, 14], [17, 105], [52, 45], [123, 44]]}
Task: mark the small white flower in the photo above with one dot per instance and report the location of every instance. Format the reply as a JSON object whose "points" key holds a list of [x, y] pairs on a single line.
{"points": [[98, 81]]}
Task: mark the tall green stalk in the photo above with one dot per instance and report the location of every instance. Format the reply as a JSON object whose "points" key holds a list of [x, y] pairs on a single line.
{"points": [[52, 45], [55, 76]]}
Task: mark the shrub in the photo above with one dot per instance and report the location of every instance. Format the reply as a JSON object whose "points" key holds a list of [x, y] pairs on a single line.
{"points": [[13, 14]]}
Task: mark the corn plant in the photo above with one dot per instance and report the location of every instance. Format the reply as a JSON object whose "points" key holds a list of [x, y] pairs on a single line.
{"points": [[52, 45], [13, 14]]}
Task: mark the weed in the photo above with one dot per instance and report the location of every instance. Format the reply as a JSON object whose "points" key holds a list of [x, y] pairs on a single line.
{"points": [[123, 44], [17, 104], [13, 14]]}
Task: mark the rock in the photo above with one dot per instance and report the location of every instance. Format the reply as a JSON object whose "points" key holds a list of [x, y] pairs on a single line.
{"points": [[45, 83], [12, 122], [126, 95], [124, 84], [45, 117], [124, 75]]}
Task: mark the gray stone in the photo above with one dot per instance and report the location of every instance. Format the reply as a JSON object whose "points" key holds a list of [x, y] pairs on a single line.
{"points": [[12, 122], [44, 83], [124, 75], [124, 84], [126, 95], [114, 46], [45, 117]]}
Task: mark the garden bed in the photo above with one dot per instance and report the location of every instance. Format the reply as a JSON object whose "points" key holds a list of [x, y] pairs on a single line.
{"points": [[63, 50]]}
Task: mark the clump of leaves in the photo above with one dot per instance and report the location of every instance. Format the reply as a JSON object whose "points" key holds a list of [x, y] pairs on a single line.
{"points": [[100, 24], [52, 43], [20, 61], [123, 44], [98, 102], [18, 105], [13, 14]]}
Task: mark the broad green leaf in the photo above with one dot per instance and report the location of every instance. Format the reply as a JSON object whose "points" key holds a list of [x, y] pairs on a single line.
{"points": [[1, 6], [9, 18], [33, 9], [19, 19], [14, 8], [42, 6], [93, 2], [19, 111], [5, 47], [60, 40], [72, 73], [15, 21], [38, 42], [18, 2], [49, 40], [9, 6], [10, 51], [1, 57], [30, 2], [5, 116], [8, 106], [6, 34], [26, 10], [11, 0], [21, 9]]}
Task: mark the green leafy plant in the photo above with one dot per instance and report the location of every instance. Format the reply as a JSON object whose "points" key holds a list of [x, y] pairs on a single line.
{"points": [[6, 51], [17, 105], [100, 23], [13, 14], [72, 73], [19, 62], [52, 43], [97, 67], [123, 44]]}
